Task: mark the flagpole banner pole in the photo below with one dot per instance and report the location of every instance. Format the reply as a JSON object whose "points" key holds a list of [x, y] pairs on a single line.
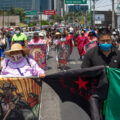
{"points": [[20, 98], [85, 87]]}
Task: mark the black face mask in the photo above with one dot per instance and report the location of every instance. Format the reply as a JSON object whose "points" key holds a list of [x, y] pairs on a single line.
{"points": [[82, 34]]}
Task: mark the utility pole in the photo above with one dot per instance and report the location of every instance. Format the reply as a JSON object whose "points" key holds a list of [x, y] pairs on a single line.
{"points": [[93, 13], [90, 12], [113, 15], [3, 18]]}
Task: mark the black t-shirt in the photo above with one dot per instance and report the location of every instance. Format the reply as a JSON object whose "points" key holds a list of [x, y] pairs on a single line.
{"points": [[95, 57]]}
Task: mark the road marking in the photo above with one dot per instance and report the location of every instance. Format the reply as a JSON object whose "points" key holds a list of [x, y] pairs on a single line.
{"points": [[74, 62]]}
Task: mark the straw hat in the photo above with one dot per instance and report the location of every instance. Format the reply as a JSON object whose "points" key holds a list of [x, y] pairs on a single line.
{"points": [[17, 47], [57, 33]]}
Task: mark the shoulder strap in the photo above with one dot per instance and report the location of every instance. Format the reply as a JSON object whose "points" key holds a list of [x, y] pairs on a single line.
{"points": [[28, 61], [7, 63]]}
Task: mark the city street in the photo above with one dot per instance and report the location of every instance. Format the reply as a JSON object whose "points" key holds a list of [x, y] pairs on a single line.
{"points": [[52, 107]]}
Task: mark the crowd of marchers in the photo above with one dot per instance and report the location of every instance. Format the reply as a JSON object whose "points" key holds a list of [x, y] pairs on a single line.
{"points": [[98, 46]]}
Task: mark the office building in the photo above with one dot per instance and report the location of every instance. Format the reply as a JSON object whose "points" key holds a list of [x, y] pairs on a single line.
{"points": [[27, 5]]}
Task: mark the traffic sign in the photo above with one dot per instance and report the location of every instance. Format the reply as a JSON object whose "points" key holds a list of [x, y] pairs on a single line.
{"points": [[75, 1], [49, 12], [33, 12]]}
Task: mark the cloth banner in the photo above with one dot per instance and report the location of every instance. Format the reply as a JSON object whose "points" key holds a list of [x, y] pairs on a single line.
{"points": [[38, 52], [113, 100], [20, 98], [85, 87], [63, 51], [90, 45]]}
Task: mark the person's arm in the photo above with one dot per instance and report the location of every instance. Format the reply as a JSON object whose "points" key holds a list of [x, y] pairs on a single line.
{"points": [[37, 71], [25, 40], [12, 40]]}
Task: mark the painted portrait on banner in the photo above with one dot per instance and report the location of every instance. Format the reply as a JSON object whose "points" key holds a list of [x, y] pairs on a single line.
{"points": [[63, 51], [38, 52], [20, 98]]}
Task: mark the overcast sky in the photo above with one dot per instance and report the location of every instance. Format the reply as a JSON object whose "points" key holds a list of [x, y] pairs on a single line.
{"points": [[104, 4]]}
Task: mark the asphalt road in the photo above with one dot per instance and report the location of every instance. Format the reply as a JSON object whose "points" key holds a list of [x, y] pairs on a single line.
{"points": [[52, 108]]}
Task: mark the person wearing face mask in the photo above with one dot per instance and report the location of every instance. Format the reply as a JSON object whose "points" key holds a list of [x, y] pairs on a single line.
{"points": [[18, 65], [104, 53], [81, 42], [36, 39], [19, 37], [3, 45]]}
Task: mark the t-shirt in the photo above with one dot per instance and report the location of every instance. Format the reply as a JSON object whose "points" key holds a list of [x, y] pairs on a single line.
{"points": [[21, 37]]}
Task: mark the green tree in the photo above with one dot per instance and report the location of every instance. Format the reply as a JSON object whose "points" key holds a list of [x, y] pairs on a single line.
{"points": [[57, 18], [69, 17], [11, 11], [1, 12], [44, 22], [20, 12]]}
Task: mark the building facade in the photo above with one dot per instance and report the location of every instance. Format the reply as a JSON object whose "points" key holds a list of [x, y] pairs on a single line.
{"points": [[6, 21], [27, 5], [59, 6], [104, 18], [45, 5]]}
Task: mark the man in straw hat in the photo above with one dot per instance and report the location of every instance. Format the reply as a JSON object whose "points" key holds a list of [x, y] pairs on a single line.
{"points": [[18, 65]]}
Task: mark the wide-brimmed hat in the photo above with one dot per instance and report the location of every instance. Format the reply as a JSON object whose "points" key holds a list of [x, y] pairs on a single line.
{"points": [[57, 33], [17, 47]]}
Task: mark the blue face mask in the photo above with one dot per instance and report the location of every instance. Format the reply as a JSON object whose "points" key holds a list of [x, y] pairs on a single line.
{"points": [[105, 47]]}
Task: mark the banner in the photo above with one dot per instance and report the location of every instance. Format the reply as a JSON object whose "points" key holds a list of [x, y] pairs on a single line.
{"points": [[38, 52], [19, 98], [113, 99], [90, 45], [63, 51], [85, 87]]}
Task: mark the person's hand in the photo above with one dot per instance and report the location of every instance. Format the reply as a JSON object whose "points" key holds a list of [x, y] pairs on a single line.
{"points": [[42, 75]]}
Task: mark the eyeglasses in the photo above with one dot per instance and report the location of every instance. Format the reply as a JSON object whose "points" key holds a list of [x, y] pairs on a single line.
{"points": [[103, 41]]}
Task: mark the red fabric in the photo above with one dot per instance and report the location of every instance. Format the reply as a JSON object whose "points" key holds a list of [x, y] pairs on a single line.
{"points": [[32, 101], [81, 42], [69, 39]]}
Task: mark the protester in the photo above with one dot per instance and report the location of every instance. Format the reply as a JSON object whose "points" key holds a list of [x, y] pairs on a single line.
{"points": [[56, 40], [19, 37], [36, 39], [115, 38], [81, 42], [9, 36], [104, 53], [18, 64], [63, 51], [69, 39], [92, 41], [2, 47]]}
